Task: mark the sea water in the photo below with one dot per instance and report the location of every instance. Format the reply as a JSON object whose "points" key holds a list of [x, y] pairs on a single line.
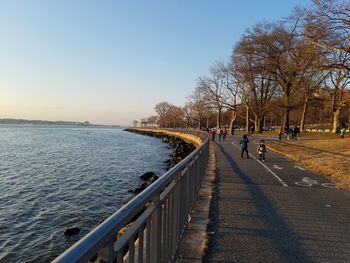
{"points": [[56, 177]]}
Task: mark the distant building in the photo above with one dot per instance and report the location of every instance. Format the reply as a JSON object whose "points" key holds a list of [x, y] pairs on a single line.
{"points": [[85, 123]]}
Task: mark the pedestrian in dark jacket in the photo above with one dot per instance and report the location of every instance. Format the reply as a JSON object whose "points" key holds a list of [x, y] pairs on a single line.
{"points": [[218, 131], [224, 133], [244, 145], [212, 134]]}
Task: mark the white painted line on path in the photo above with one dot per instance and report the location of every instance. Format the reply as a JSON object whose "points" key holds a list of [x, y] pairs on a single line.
{"points": [[265, 166], [277, 167], [303, 184], [329, 185], [309, 180], [300, 168]]}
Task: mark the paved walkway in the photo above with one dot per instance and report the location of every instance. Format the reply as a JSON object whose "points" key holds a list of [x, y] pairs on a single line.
{"points": [[275, 211]]}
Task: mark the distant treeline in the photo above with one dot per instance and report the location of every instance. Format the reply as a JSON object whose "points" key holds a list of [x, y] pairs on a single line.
{"points": [[22, 121]]}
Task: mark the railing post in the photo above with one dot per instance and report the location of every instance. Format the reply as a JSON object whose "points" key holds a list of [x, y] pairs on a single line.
{"points": [[156, 228]]}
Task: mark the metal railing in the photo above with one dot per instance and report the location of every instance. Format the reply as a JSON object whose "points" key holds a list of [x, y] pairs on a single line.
{"points": [[148, 228]]}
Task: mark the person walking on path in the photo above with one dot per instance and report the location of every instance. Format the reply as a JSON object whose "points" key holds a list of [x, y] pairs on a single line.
{"points": [[295, 133], [252, 129], [342, 132], [244, 145], [280, 133], [261, 150], [218, 130], [212, 134], [224, 133]]}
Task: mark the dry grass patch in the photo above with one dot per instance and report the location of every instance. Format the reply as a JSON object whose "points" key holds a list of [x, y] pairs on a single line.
{"points": [[329, 156]]}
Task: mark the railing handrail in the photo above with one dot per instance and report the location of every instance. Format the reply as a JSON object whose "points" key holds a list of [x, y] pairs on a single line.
{"points": [[95, 240]]}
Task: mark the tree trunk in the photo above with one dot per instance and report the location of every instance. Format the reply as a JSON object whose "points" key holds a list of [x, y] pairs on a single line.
{"points": [[200, 125], [232, 122], [218, 119], [336, 115], [258, 123], [332, 107], [286, 104], [247, 116], [286, 113], [303, 113]]}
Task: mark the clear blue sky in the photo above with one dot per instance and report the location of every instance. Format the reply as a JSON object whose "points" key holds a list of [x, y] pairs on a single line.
{"points": [[110, 62]]}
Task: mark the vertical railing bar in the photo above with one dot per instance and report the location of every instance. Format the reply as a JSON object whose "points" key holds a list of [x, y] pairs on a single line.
{"points": [[156, 232], [173, 226], [178, 219], [140, 248], [184, 200], [169, 227], [187, 191], [196, 178], [131, 251], [180, 202], [111, 255], [148, 240], [164, 231], [193, 181], [120, 257]]}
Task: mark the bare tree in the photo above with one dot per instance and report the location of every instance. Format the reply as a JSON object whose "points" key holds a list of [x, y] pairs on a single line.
{"points": [[250, 58], [338, 84], [213, 88], [175, 117], [162, 109], [188, 115], [311, 76], [328, 26], [134, 123], [152, 121], [143, 122], [200, 107], [231, 91]]}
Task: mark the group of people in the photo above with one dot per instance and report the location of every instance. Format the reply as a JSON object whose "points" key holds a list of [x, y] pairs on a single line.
{"points": [[291, 134], [260, 150], [221, 132]]}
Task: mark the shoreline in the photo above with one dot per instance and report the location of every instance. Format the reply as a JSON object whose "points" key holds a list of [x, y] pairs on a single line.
{"points": [[181, 147]]}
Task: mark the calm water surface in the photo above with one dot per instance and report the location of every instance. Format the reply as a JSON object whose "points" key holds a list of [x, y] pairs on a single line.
{"points": [[54, 177]]}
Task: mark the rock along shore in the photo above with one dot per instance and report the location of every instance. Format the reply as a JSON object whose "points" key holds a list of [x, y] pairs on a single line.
{"points": [[181, 148]]}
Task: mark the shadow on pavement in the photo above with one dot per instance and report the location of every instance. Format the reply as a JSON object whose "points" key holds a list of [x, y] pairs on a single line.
{"points": [[284, 243]]}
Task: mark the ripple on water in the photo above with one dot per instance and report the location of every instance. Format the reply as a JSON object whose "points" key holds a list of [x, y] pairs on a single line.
{"points": [[52, 178]]}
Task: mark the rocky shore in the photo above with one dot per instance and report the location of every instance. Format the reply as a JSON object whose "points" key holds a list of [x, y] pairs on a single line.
{"points": [[180, 147]]}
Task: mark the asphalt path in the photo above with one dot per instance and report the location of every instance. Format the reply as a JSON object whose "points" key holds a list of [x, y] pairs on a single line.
{"points": [[274, 211]]}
